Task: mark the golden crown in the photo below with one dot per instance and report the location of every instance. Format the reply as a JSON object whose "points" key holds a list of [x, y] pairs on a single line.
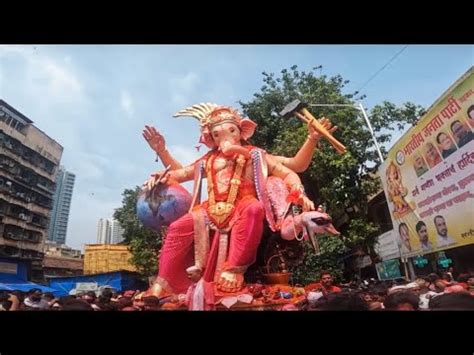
{"points": [[210, 114]]}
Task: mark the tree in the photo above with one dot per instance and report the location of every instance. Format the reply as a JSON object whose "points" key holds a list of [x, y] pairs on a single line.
{"points": [[144, 244], [343, 183], [330, 259]]}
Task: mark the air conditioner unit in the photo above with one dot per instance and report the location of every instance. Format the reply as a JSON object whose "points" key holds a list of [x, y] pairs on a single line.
{"points": [[10, 235]]}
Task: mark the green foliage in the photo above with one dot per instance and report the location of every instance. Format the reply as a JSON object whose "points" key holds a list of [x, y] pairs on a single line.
{"points": [[343, 183], [144, 244], [360, 233], [330, 259]]}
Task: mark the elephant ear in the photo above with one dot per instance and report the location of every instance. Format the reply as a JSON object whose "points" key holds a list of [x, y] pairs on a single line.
{"points": [[247, 128]]}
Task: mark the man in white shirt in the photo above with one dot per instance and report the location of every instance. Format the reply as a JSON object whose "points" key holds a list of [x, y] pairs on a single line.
{"points": [[420, 288], [34, 299], [442, 229]]}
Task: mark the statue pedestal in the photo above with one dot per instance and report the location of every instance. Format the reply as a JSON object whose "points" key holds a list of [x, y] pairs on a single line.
{"points": [[271, 298]]}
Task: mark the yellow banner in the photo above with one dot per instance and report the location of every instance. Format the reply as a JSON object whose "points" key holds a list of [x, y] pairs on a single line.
{"points": [[428, 176]]}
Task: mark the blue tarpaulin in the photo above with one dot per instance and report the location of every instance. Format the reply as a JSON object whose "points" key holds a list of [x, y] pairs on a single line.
{"points": [[118, 280], [15, 278], [25, 286]]}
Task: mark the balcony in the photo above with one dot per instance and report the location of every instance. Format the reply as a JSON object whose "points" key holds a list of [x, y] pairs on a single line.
{"points": [[46, 188], [27, 236], [11, 251], [12, 236], [32, 238], [8, 145], [38, 223], [27, 154]]}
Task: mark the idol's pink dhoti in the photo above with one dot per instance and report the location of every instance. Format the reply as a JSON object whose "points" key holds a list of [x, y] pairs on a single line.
{"points": [[178, 254]]}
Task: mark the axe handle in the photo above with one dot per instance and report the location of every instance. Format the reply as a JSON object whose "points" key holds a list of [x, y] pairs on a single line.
{"points": [[340, 148]]}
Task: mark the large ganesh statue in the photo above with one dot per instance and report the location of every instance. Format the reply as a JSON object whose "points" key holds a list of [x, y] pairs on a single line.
{"points": [[209, 245]]}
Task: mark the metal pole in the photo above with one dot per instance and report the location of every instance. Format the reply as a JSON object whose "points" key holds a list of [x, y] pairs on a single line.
{"points": [[341, 105], [407, 275], [361, 108], [403, 260]]}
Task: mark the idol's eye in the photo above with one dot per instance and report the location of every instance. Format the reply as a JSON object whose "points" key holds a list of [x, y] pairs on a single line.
{"points": [[320, 221]]}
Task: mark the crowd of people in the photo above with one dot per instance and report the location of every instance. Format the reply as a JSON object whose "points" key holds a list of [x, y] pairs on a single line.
{"points": [[434, 292]]}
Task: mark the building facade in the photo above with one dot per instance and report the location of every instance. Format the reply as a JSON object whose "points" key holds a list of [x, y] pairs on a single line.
{"points": [[28, 166], [107, 258], [61, 206], [61, 250], [104, 231], [116, 232], [109, 231]]}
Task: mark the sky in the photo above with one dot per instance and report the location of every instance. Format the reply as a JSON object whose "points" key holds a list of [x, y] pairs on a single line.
{"points": [[95, 100]]}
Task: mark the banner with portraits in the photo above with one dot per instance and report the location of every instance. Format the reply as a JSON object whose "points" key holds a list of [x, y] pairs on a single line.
{"points": [[428, 176]]}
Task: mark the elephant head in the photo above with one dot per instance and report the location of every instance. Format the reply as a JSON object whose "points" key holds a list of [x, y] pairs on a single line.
{"points": [[227, 137], [310, 223]]}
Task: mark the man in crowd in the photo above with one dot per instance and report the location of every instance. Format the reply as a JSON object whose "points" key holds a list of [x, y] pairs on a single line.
{"points": [[325, 285]]}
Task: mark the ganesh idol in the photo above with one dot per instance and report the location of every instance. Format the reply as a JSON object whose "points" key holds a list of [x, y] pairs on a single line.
{"points": [[217, 240]]}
